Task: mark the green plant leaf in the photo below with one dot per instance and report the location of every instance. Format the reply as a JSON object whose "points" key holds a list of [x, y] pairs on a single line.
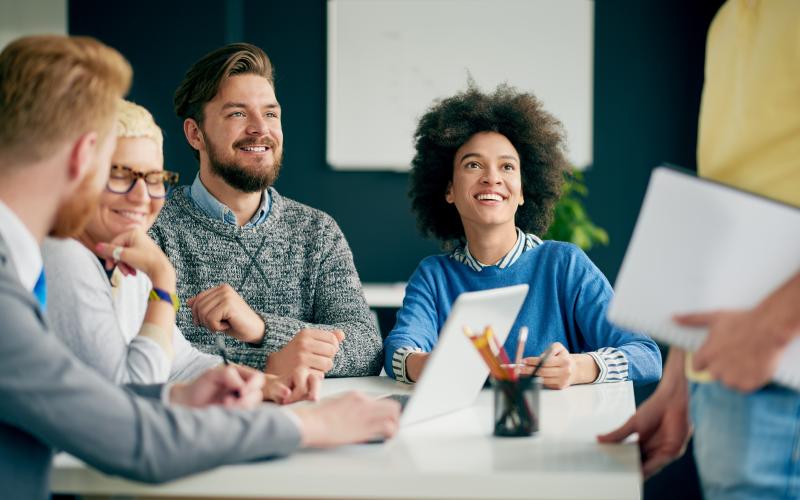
{"points": [[570, 221]]}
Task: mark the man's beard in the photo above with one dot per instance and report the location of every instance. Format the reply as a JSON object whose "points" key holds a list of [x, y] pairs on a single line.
{"points": [[74, 214], [241, 178]]}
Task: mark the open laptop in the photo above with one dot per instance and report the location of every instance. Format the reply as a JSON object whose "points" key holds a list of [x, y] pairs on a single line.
{"points": [[455, 372]]}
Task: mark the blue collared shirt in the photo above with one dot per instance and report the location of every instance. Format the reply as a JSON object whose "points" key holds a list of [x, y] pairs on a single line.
{"points": [[212, 207]]}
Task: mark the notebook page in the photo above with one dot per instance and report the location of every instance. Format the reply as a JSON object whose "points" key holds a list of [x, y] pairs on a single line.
{"points": [[700, 246]]}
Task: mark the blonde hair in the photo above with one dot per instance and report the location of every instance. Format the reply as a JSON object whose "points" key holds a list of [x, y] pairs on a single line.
{"points": [[135, 121], [55, 88]]}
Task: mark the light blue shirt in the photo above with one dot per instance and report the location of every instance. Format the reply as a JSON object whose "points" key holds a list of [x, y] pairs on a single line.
{"points": [[212, 207]]}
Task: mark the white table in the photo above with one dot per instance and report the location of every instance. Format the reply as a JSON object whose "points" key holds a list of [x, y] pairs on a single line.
{"points": [[385, 294], [454, 456]]}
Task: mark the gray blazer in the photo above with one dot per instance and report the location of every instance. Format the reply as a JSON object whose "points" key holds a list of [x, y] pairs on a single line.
{"points": [[49, 399]]}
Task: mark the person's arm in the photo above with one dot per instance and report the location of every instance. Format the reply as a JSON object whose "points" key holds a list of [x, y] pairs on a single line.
{"points": [[416, 331], [82, 313], [662, 421], [340, 339], [138, 253], [563, 369], [743, 347], [619, 354], [66, 405], [339, 304], [189, 363], [47, 393]]}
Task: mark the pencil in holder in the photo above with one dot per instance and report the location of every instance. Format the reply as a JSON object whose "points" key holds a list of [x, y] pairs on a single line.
{"points": [[516, 406]]}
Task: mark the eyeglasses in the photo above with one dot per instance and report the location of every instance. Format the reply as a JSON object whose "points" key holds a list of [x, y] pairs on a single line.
{"points": [[158, 182]]}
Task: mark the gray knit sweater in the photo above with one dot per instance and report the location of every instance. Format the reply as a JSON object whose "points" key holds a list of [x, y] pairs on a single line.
{"points": [[296, 270]]}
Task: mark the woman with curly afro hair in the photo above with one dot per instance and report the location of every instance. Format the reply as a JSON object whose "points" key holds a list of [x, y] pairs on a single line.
{"points": [[486, 174]]}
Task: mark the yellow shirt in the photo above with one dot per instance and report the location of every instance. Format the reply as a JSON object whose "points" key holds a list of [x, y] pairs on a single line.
{"points": [[749, 132]]}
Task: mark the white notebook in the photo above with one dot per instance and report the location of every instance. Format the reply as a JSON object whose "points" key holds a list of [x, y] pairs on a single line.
{"points": [[699, 246]]}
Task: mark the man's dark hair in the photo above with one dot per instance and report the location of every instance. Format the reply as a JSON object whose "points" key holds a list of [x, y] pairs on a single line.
{"points": [[201, 83], [537, 136]]}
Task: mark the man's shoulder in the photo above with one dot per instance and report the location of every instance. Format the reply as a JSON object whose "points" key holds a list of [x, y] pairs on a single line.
{"points": [[302, 218], [22, 329], [178, 220], [299, 211], [173, 207]]}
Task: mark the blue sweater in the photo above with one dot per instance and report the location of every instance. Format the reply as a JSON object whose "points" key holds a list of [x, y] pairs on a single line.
{"points": [[566, 303]]}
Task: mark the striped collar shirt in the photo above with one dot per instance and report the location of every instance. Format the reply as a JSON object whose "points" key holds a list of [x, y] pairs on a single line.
{"points": [[524, 242]]}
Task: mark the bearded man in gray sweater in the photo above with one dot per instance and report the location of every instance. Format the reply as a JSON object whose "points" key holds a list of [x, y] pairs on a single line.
{"points": [[276, 276]]}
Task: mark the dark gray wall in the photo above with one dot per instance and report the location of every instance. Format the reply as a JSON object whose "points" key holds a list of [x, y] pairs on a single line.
{"points": [[648, 77]]}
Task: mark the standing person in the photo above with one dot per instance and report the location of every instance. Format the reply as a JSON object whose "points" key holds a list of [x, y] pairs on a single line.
{"points": [[58, 98], [111, 321], [275, 275], [487, 171], [746, 429]]}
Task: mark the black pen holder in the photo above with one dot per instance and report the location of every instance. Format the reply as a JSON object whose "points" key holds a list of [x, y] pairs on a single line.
{"points": [[516, 406]]}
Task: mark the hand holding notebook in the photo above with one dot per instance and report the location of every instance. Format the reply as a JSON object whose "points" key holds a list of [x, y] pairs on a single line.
{"points": [[743, 347], [699, 246]]}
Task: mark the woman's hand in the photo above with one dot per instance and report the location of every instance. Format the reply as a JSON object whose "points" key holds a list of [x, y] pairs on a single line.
{"points": [[134, 250], [562, 369], [415, 363]]}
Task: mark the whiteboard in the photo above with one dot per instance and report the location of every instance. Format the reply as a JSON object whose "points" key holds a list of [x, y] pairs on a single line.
{"points": [[388, 60]]}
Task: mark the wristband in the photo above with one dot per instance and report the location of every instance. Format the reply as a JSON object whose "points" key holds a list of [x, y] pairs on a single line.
{"points": [[157, 294]]}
